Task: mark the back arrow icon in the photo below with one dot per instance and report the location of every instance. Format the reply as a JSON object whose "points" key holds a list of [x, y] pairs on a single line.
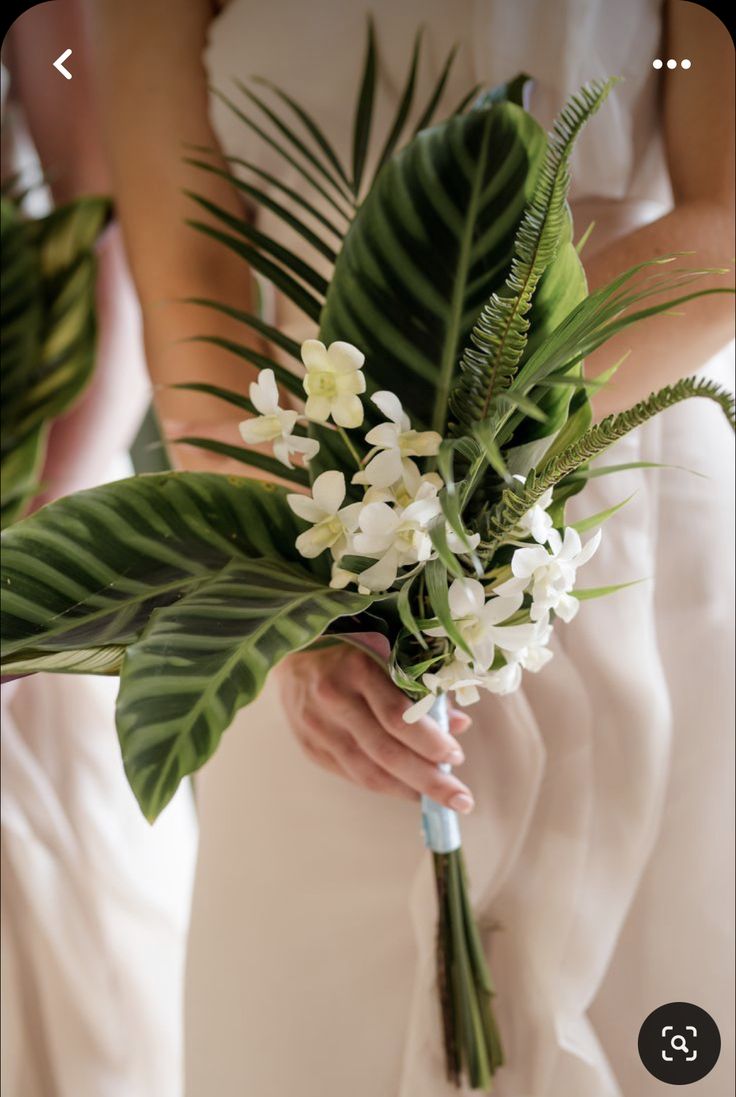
{"points": [[59, 64]]}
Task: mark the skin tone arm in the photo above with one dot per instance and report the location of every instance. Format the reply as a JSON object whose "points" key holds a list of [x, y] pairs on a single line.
{"points": [[151, 89], [698, 118]]}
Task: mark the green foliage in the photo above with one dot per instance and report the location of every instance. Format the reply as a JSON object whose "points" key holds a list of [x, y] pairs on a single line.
{"points": [[517, 500], [48, 333], [87, 571], [416, 264], [499, 336], [205, 656]]}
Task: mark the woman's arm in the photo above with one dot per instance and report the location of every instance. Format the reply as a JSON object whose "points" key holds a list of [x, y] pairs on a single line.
{"points": [[153, 100], [698, 118]]}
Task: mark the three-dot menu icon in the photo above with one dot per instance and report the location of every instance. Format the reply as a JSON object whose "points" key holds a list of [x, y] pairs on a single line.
{"points": [[658, 63]]}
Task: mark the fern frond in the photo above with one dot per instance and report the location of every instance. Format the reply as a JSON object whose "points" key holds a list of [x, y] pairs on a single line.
{"points": [[499, 336], [517, 500]]}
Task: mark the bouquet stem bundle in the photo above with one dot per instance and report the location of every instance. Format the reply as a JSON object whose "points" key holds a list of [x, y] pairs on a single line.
{"points": [[472, 1041], [471, 1037]]}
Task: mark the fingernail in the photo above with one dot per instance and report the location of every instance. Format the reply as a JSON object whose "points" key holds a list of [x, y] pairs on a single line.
{"points": [[455, 757], [462, 802]]}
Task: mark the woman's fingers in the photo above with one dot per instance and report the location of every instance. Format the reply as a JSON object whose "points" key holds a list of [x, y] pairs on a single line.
{"points": [[347, 715], [459, 721], [335, 750], [388, 705], [402, 764]]}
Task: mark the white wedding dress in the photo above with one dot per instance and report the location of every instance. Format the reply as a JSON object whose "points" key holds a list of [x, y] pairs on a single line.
{"points": [[599, 850]]}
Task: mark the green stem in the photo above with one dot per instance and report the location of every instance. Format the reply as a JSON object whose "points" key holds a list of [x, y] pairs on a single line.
{"points": [[353, 451]]}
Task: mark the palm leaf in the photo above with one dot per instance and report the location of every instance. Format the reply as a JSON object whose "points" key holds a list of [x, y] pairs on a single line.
{"points": [[297, 143], [311, 126], [285, 155], [364, 111], [289, 380], [264, 200], [403, 108], [428, 113], [289, 260], [247, 456], [276, 274], [251, 320]]}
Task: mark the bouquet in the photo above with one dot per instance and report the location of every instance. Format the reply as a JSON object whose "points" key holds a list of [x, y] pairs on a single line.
{"points": [[443, 421]]}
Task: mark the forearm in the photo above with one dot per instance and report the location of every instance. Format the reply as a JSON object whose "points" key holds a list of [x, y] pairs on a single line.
{"points": [[665, 348], [163, 110]]}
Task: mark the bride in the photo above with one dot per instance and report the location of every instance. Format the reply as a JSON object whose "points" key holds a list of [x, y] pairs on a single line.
{"points": [[597, 799]]}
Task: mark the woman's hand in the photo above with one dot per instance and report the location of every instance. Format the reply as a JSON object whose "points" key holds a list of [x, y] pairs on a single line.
{"points": [[347, 715]]}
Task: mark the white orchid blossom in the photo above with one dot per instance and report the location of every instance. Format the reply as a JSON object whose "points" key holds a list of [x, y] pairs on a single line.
{"points": [[480, 623], [456, 544], [396, 536], [505, 679], [397, 443], [274, 424], [341, 578], [536, 654], [331, 522], [405, 489], [333, 382], [549, 574], [536, 521], [455, 677]]}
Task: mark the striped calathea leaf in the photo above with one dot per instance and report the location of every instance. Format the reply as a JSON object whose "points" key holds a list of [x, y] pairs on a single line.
{"points": [[187, 584], [432, 242], [47, 317], [207, 655]]}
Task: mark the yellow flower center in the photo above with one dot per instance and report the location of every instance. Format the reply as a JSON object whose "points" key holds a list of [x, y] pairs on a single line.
{"points": [[270, 427], [322, 383], [471, 629], [328, 531], [404, 539]]}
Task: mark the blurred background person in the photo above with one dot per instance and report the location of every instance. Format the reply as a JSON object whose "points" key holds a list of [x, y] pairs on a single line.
{"points": [[95, 902]]}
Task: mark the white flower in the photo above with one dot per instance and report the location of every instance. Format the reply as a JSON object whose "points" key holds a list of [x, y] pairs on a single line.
{"points": [[550, 574], [536, 654], [536, 521], [333, 381], [398, 536], [397, 442], [274, 424], [479, 622], [456, 677], [457, 545], [340, 578], [505, 679], [406, 488], [331, 522]]}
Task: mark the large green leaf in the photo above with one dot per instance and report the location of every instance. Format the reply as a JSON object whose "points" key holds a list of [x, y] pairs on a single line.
{"points": [[431, 242], [88, 570], [48, 332], [206, 656]]}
